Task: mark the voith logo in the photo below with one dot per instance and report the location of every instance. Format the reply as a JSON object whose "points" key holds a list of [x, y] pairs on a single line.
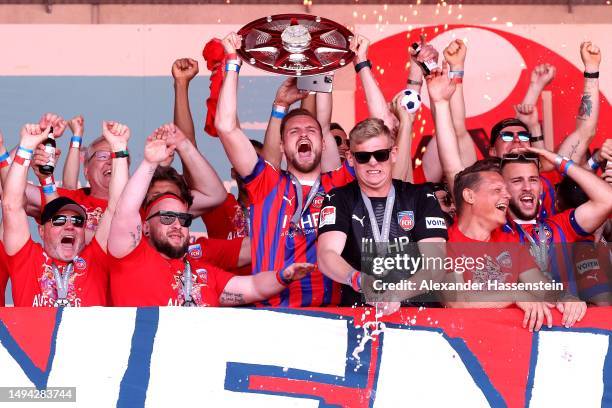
{"points": [[587, 265], [435, 222]]}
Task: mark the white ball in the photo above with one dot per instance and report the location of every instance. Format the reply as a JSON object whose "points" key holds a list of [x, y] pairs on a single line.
{"points": [[411, 100]]}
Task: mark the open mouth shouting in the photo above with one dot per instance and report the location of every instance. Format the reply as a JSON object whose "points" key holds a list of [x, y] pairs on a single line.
{"points": [[502, 206], [528, 201], [304, 149]]}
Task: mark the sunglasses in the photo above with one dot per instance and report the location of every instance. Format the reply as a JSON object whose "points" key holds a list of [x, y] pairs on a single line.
{"points": [[168, 218], [340, 141], [379, 155], [520, 157], [101, 155], [508, 136], [76, 220]]}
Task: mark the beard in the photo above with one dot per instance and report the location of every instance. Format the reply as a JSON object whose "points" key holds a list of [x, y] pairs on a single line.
{"points": [[306, 167], [169, 250], [520, 214]]}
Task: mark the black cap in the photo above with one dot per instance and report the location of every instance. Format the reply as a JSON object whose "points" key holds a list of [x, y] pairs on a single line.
{"points": [[59, 204], [499, 126]]}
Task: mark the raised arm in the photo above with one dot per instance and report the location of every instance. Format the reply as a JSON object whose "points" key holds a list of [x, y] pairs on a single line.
{"points": [[126, 227], [47, 181], [16, 228], [330, 157], [242, 290], [441, 88], [377, 105], [541, 76], [286, 95], [592, 214], [207, 187], [239, 150], [117, 136], [402, 168], [577, 143], [528, 114], [455, 55], [70, 178], [183, 71]]}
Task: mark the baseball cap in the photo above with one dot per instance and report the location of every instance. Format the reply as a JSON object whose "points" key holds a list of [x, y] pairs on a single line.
{"points": [[499, 126], [59, 204]]}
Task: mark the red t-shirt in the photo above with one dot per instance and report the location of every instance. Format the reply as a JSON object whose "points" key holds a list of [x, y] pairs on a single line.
{"points": [[3, 273], [94, 207], [501, 259], [33, 283], [227, 220], [146, 278]]}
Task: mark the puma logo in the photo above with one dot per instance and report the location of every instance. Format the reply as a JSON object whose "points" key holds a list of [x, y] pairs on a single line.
{"points": [[329, 196], [359, 219], [431, 195], [287, 199]]}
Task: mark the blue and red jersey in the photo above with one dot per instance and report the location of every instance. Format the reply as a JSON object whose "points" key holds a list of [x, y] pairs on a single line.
{"points": [[547, 199], [274, 245], [560, 230]]}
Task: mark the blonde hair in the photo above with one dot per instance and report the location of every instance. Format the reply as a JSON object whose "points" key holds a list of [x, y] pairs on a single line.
{"points": [[368, 129]]}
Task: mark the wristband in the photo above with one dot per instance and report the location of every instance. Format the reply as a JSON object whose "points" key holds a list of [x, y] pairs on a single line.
{"points": [[593, 75], [413, 82], [49, 189], [568, 164], [533, 139], [120, 154], [594, 165], [558, 161], [278, 111], [75, 141], [354, 280], [23, 156], [5, 160], [362, 65], [232, 67], [281, 278], [456, 74]]}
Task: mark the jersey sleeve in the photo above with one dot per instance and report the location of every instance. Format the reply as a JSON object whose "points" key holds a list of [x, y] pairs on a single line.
{"points": [[335, 212], [341, 176], [23, 258], [429, 219], [569, 226], [261, 181], [222, 253], [219, 221]]}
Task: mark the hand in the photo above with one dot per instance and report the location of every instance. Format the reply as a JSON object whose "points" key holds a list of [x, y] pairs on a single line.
{"points": [[51, 119], [605, 153], [455, 54], [573, 310], [77, 125], [41, 158], [547, 158], [232, 42], [185, 69], [288, 93], [386, 308], [427, 53], [439, 85], [400, 111], [32, 135], [116, 134], [297, 271], [174, 136], [535, 312], [157, 149], [543, 74], [359, 46], [591, 56], [528, 114]]}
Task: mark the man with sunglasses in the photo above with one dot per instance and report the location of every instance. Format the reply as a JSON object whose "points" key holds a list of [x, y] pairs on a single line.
{"points": [[341, 139], [285, 205], [161, 269], [65, 270], [374, 209]]}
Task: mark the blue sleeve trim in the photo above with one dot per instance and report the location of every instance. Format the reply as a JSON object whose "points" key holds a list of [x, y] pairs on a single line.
{"points": [[576, 226], [257, 170]]}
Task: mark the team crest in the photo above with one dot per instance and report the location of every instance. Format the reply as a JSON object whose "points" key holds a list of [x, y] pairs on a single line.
{"points": [[79, 263], [505, 260], [547, 233], [405, 219], [317, 202], [195, 251]]}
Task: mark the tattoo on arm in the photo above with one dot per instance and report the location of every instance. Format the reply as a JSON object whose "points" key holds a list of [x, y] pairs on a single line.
{"points": [[136, 236], [586, 107], [574, 148], [232, 298]]}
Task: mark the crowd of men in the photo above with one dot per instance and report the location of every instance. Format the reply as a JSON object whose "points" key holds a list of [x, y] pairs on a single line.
{"points": [[303, 233]]}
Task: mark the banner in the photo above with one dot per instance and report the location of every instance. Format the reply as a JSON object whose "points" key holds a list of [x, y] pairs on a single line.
{"points": [[224, 357]]}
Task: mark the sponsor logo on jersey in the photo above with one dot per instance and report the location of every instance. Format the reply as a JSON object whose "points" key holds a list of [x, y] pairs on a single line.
{"points": [[435, 222], [79, 263], [327, 216], [203, 275], [587, 265], [195, 251], [405, 219]]}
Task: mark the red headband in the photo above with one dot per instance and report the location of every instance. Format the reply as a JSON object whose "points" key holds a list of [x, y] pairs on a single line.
{"points": [[160, 197]]}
